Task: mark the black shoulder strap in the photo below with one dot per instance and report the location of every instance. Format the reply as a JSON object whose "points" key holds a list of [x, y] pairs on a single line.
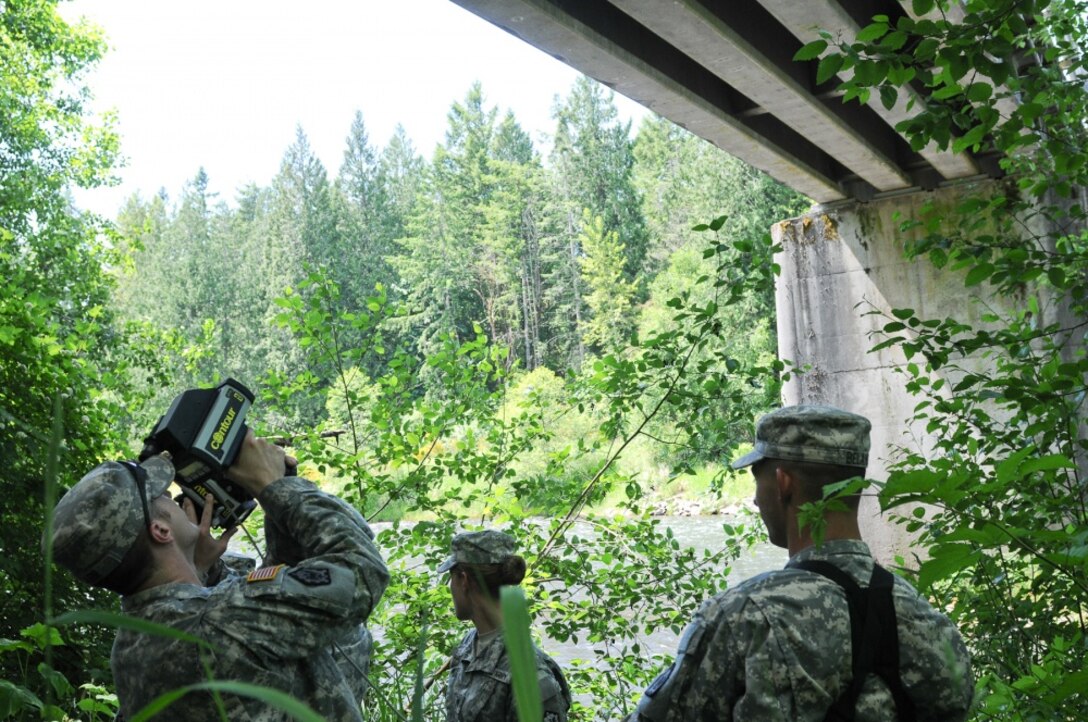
{"points": [[874, 639]]}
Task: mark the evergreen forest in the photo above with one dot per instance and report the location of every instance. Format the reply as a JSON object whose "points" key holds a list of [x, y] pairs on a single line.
{"points": [[558, 339]]}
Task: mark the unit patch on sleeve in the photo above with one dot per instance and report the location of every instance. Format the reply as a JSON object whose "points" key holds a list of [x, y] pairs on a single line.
{"points": [[311, 576], [264, 574]]}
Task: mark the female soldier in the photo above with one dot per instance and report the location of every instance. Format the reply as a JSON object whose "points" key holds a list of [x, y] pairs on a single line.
{"points": [[479, 686]]}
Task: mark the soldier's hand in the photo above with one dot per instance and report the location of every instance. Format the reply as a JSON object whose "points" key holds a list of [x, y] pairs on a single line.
{"points": [[208, 548], [259, 463]]}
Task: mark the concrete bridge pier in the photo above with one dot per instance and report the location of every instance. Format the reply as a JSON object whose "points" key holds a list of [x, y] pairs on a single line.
{"points": [[843, 271]]}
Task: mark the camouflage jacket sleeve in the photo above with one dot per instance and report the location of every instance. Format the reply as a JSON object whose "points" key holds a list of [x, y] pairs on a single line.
{"points": [[724, 669], [335, 577], [285, 548], [555, 697], [352, 656]]}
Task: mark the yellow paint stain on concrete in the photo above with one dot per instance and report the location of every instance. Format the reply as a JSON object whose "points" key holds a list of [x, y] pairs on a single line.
{"points": [[831, 231]]}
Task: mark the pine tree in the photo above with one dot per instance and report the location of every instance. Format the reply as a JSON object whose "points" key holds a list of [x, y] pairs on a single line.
{"points": [[610, 296], [245, 326], [511, 244], [592, 157], [302, 234], [400, 173], [591, 164], [303, 219], [364, 230], [443, 241]]}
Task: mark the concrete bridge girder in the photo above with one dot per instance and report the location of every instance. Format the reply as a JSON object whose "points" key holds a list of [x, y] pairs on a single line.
{"points": [[725, 71], [777, 88], [807, 19]]}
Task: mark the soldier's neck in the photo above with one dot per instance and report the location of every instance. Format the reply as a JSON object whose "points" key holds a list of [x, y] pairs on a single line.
{"points": [[171, 567], [840, 525], [487, 617]]}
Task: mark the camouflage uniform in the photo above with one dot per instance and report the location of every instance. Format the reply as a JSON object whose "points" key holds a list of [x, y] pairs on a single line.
{"points": [[778, 646], [272, 627], [353, 651], [479, 684], [352, 654]]}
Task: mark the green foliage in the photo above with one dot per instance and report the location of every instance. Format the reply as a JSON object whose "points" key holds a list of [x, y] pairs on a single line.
{"points": [[435, 267], [997, 497], [593, 162], [457, 443], [729, 401], [683, 180], [365, 217], [813, 515], [590, 176], [63, 357], [21, 694]]}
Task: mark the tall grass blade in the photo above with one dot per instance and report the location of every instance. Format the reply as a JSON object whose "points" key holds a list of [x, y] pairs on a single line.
{"points": [[52, 461], [123, 621], [417, 691], [273, 698], [522, 656]]}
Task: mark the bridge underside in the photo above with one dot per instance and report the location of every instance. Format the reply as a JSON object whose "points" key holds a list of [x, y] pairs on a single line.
{"points": [[725, 71]]}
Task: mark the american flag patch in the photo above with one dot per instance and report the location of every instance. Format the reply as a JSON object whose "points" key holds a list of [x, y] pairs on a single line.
{"points": [[264, 574]]}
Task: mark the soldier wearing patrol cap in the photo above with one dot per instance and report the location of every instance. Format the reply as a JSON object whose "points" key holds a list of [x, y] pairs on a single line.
{"points": [[274, 627], [479, 684], [833, 635]]}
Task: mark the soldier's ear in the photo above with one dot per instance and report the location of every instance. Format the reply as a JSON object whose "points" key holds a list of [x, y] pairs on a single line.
{"points": [[160, 532], [786, 484], [474, 580]]}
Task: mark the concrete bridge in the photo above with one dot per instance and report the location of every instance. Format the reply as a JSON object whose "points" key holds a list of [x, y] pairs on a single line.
{"points": [[724, 71]]}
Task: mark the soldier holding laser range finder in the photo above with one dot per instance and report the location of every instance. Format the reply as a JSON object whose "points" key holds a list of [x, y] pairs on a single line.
{"points": [[276, 627]]}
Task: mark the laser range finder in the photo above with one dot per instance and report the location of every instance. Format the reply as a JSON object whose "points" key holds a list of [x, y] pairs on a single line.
{"points": [[203, 430]]}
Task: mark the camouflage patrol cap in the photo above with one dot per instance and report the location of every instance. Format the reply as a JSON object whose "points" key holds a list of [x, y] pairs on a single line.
{"points": [[479, 547], [99, 519], [821, 434]]}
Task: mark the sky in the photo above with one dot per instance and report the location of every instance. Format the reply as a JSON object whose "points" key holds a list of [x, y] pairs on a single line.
{"points": [[223, 84]]}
